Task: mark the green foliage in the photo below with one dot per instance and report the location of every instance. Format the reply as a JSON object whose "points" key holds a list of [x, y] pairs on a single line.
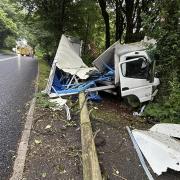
{"points": [[44, 70], [162, 24], [43, 101], [6, 52], [10, 42], [169, 109], [11, 21], [6, 23], [88, 59], [47, 21]]}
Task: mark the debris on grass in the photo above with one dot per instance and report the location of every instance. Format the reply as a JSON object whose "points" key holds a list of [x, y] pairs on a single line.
{"points": [[37, 141], [44, 175], [48, 126]]}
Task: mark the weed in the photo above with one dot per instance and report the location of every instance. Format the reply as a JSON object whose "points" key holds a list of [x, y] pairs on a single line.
{"points": [[43, 101]]}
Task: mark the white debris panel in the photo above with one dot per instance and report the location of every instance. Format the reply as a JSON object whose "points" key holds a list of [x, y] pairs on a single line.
{"points": [[69, 60], [172, 130], [160, 150]]}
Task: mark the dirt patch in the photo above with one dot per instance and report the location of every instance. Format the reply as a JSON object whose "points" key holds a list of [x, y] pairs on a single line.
{"points": [[55, 147], [117, 157]]}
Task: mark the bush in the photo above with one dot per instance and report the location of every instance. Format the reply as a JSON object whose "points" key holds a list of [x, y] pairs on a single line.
{"points": [[167, 110], [10, 42], [163, 25]]}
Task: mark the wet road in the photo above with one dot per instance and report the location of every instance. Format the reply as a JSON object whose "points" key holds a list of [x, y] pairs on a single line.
{"points": [[17, 75]]}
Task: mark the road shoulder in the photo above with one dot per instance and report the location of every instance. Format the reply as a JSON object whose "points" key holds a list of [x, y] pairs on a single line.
{"points": [[18, 167]]}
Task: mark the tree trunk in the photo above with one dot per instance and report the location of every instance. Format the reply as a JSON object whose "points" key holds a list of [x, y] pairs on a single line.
{"points": [[105, 15], [63, 7], [119, 20], [129, 21]]}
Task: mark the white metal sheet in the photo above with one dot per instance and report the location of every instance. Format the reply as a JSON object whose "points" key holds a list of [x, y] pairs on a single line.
{"points": [[172, 130], [69, 60], [161, 151]]}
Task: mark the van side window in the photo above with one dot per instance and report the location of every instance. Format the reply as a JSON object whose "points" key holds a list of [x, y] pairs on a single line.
{"points": [[135, 69]]}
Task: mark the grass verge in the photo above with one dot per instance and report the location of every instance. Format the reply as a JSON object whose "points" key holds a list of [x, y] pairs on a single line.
{"points": [[6, 52], [44, 70]]}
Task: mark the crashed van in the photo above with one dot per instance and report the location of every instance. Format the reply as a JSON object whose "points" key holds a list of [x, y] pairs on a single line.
{"points": [[124, 68], [134, 70]]}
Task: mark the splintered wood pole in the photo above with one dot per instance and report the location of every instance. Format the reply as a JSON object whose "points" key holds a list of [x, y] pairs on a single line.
{"points": [[91, 169]]}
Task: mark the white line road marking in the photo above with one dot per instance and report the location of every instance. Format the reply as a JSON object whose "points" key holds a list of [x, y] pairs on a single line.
{"points": [[23, 145], [4, 59]]}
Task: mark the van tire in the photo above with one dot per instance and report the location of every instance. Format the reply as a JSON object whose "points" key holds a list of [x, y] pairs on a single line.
{"points": [[132, 100]]}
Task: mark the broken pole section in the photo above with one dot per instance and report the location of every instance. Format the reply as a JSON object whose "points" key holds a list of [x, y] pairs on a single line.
{"points": [[91, 169]]}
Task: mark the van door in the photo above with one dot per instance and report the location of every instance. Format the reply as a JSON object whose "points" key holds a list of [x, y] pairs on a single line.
{"points": [[134, 77]]}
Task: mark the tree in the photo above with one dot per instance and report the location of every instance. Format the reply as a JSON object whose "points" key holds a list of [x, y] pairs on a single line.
{"points": [[54, 18], [119, 20], [12, 23], [105, 15], [10, 42], [128, 20], [7, 24]]}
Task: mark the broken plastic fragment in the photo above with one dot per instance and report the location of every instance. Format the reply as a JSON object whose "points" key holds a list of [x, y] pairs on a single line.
{"points": [[59, 101], [48, 126], [38, 141], [44, 175]]}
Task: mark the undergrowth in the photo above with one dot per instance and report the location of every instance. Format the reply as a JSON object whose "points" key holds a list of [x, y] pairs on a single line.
{"points": [[42, 100], [169, 109], [44, 70], [6, 52]]}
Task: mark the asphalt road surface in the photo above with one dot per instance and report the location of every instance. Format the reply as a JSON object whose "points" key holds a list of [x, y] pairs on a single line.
{"points": [[17, 77]]}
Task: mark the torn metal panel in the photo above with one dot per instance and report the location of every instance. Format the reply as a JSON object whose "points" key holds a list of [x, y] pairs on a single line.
{"points": [[76, 44], [117, 49], [141, 158], [172, 130], [161, 151], [68, 60], [107, 57], [122, 49], [82, 73]]}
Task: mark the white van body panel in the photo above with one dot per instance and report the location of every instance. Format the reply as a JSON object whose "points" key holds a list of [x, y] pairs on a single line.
{"points": [[141, 88]]}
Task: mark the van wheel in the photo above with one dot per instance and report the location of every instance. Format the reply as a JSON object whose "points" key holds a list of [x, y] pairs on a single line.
{"points": [[132, 101]]}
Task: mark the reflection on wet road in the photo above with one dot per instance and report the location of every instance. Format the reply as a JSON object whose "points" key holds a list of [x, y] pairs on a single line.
{"points": [[17, 75]]}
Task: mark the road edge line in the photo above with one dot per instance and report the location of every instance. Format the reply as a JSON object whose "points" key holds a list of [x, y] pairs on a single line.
{"points": [[18, 167], [9, 58]]}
